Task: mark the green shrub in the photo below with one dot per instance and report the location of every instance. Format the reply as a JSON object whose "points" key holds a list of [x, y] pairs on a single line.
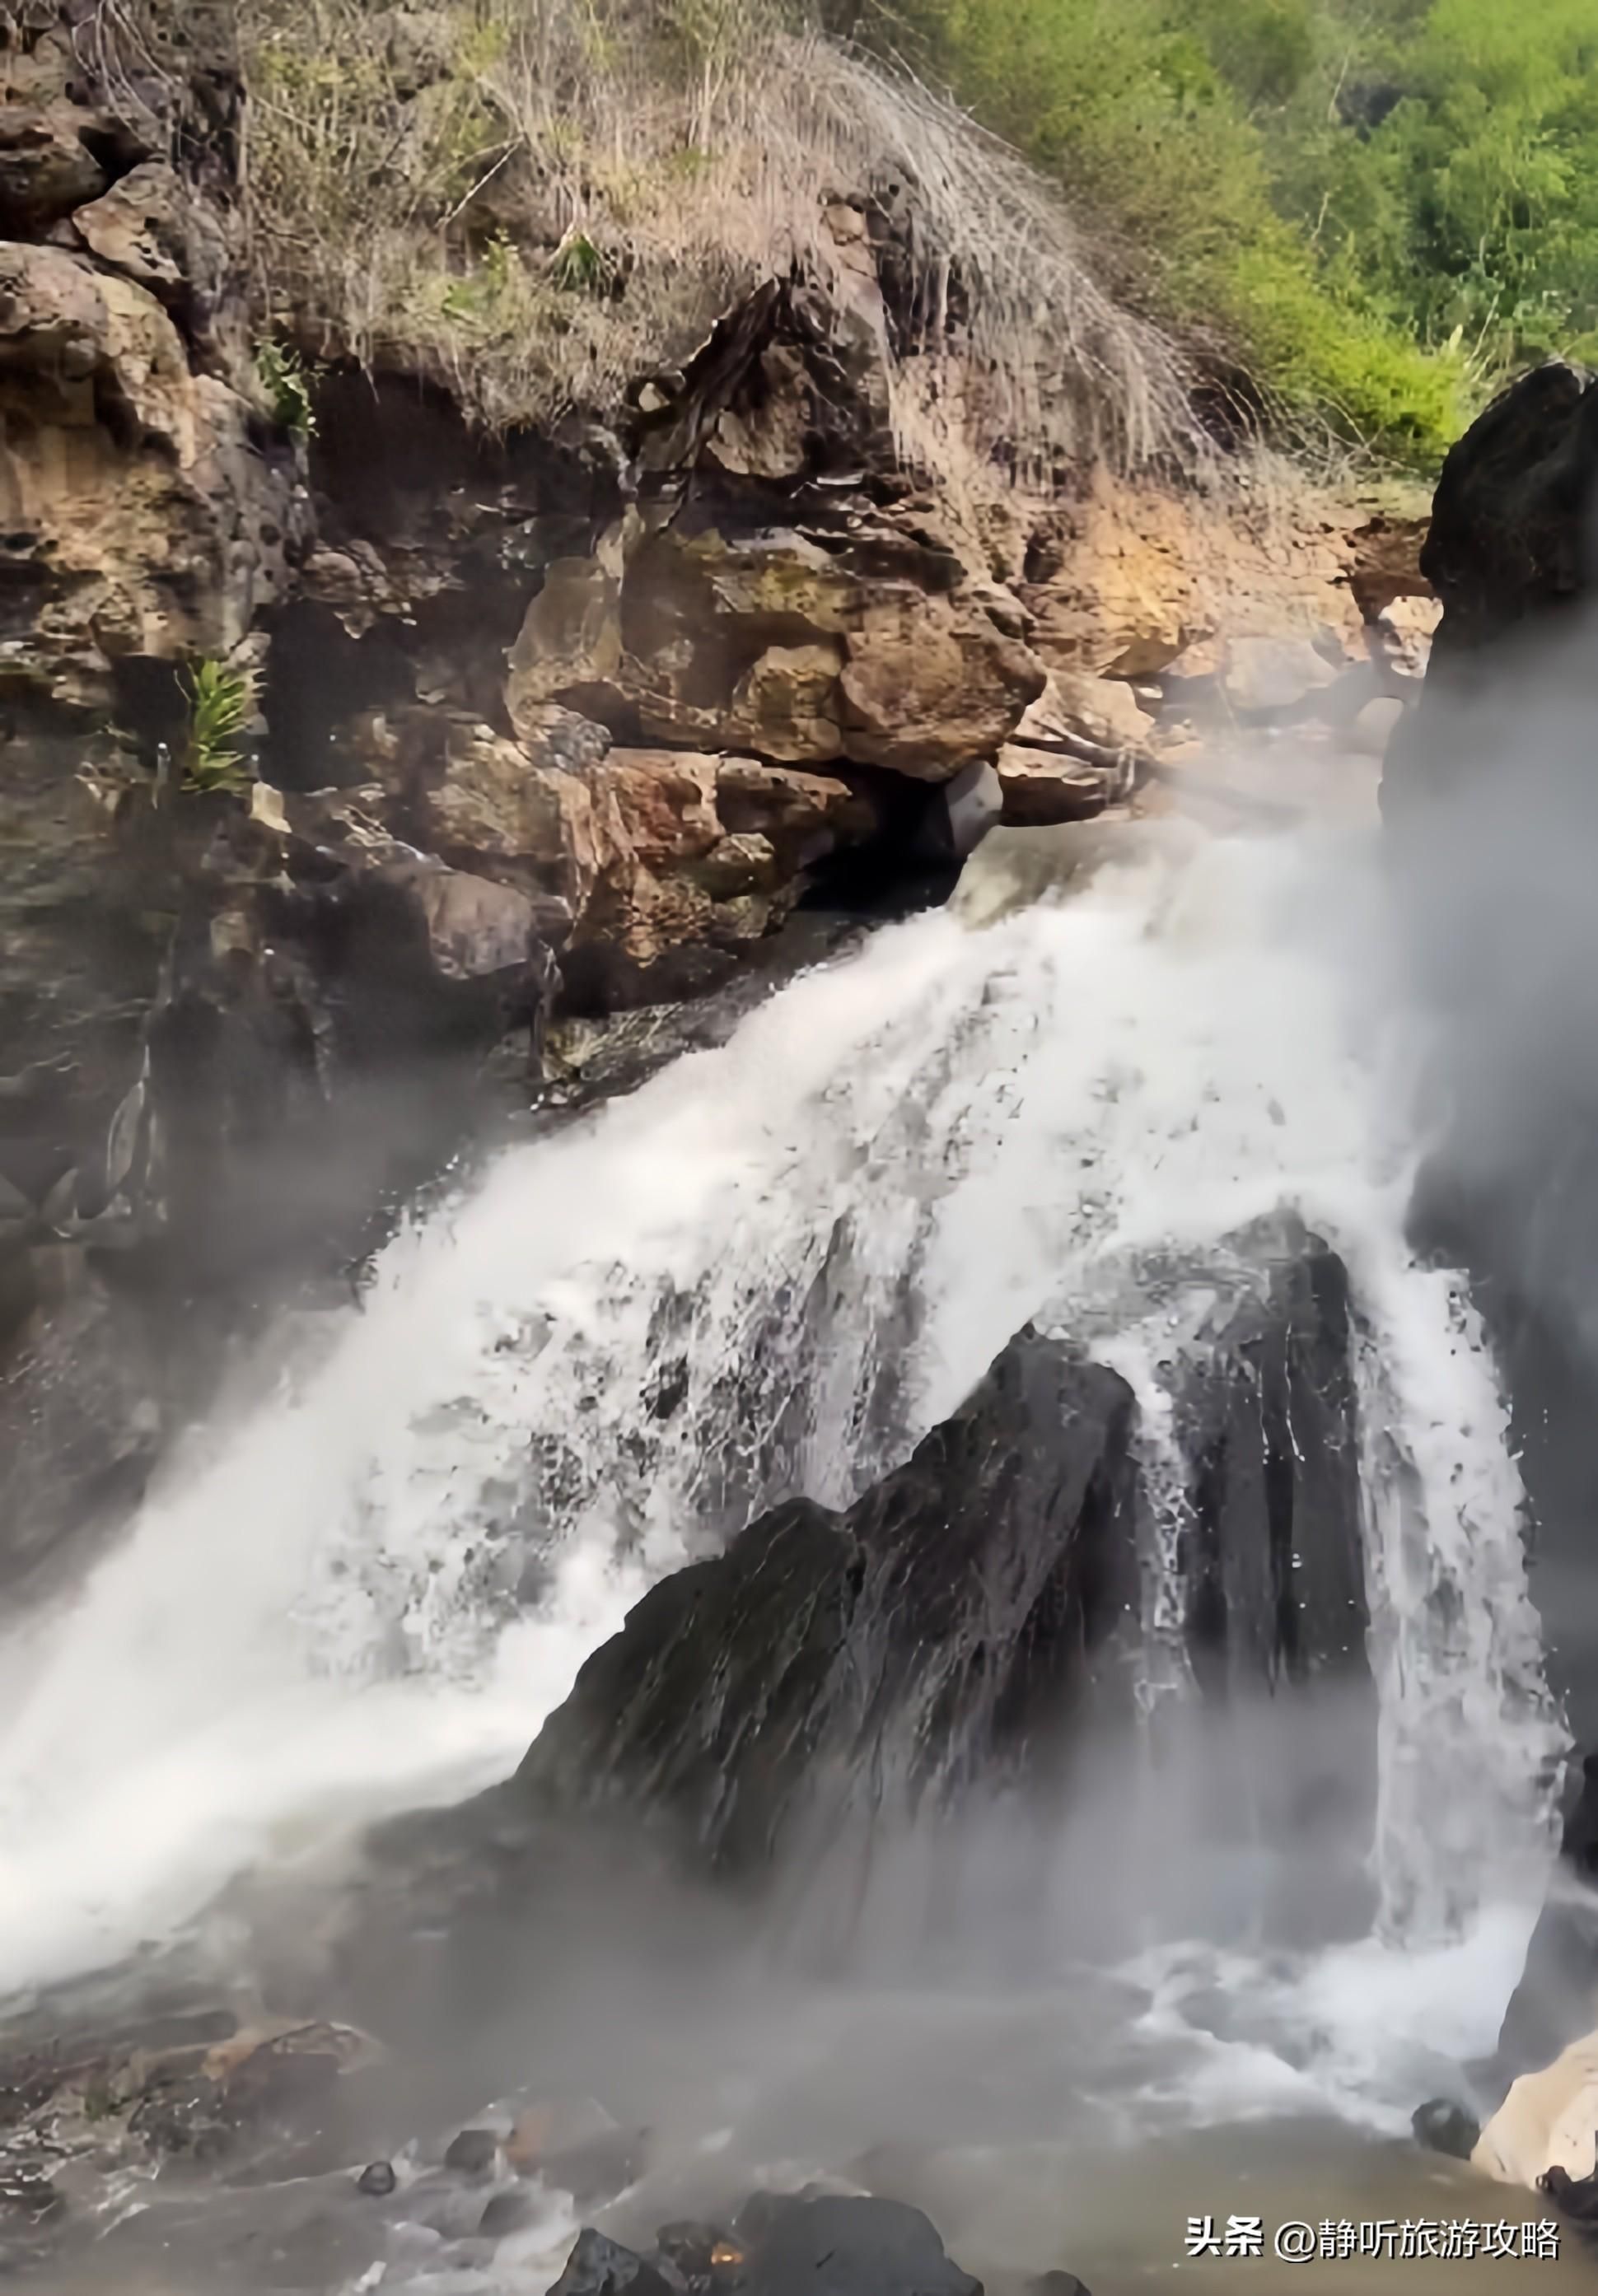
{"points": [[1161, 118], [581, 267], [1378, 207], [287, 385], [219, 705]]}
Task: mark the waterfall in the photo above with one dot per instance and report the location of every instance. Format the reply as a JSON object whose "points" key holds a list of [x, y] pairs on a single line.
{"points": [[774, 1266]]}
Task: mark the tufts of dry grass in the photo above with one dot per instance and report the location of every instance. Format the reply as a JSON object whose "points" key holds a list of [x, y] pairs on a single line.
{"points": [[541, 201]]}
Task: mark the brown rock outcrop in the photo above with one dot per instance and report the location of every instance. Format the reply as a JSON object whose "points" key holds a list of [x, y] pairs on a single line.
{"points": [[152, 228], [1385, 555], [139, 518], [48, 162], [1124, 578], [1088, 733], [657, 853], [808, 646]]}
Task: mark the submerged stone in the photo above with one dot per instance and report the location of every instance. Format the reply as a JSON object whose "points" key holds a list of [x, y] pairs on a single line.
{"points": [[598, 2266], [846, 2246], [1443, 2127], [472, 2153]]}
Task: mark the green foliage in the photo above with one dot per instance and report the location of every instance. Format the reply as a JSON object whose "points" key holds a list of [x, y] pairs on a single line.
{"points": [[487, 293], [1377, 206], [220, 704], [581, 267], [287, 385], [1365, 212], [1263, 50], [1469, 207]]}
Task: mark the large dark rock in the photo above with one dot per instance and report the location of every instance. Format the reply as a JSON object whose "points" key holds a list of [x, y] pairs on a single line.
{"points": [[1276, 1572], [598, 2266], [1283, 1775], [1513, 535], [874, 1653], [984, 1605], [1512, 554], [784, 2244], [845, 2245], [1491, 802]]}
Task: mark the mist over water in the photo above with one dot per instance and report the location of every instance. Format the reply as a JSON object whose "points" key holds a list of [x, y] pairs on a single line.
{"points": [[773, 1268]]}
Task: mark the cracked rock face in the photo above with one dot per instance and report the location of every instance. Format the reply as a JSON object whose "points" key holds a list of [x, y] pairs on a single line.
{"points": [[656, 853], [808, 647], [140, 519]]}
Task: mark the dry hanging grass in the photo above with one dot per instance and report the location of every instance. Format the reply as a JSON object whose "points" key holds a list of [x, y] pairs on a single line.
{"points": [[540, 200]]}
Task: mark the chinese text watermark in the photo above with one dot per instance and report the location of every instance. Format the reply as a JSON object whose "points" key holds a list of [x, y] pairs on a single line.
{"points": [[1297, 2242]]}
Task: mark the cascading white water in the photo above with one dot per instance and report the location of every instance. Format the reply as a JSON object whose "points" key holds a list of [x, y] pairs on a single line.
{"points": [[776, 1266]]}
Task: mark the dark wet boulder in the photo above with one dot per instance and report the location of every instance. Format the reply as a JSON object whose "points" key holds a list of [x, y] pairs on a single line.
{"points": [[844, 2245], [598, 2266], [1512, 533], [703, 2256], [1513, 555], [1441, 2125], [1576, 2197], [509, 2211], [1282, 1756], [1275, 1574], [910, 1641], [474, 2152], [983, 1605], [781, 2244]]}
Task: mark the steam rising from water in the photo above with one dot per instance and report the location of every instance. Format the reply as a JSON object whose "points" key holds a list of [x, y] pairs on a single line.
{"points": [[776, 1266]]}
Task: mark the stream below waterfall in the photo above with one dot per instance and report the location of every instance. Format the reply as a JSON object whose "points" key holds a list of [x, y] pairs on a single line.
{"points": [[774, 1267]]}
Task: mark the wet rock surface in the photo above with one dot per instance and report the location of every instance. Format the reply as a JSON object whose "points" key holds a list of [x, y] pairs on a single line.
{"points": [[241, 2141], [985, 1598], [1491, 810], [886, 1648]]}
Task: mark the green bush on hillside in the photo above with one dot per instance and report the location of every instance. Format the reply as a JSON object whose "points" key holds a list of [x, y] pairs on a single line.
{"points": [[1378, 207], [1365, 212]]}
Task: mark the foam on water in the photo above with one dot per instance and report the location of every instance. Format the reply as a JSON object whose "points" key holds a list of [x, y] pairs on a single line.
{"points": [[776, 1266]]}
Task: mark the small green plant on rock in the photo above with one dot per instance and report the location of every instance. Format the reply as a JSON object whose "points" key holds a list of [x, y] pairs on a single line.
{"points": [[287, 385], [486, 295], [220, 701], [581, 267]]}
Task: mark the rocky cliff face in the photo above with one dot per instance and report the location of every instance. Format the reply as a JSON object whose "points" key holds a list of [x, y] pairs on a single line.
{"points": [[1492, 808], [536, 725]]}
